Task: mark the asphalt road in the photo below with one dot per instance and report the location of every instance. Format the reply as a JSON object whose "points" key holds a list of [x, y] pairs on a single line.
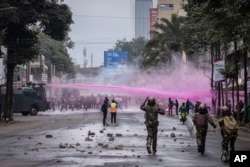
{"points": [[78, 138]]}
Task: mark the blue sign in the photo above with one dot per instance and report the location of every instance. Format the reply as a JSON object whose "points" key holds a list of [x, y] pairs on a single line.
{"points": [[115, 59]]}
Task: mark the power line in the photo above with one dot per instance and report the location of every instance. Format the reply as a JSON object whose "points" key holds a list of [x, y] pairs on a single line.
{"points": [[95, 43], [115, 37], [99, 41], [111, 17]]}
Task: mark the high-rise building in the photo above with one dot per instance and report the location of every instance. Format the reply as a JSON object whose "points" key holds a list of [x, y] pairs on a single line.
{"points": [[142, 21], [168, 7]]}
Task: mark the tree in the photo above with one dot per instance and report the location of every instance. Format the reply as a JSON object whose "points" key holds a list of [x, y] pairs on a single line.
{"points": [[134, 49], [217, 24], [20, 34], [55, 52], [166, 39]]}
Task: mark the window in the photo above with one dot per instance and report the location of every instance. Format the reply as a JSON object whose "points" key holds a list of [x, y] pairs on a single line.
{"points": [[166, 6]]}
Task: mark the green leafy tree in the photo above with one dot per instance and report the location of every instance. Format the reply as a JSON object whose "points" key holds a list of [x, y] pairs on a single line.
{"points": [[134, 49], [166, 39], [19, 33], [55, 53], [215, 24]]}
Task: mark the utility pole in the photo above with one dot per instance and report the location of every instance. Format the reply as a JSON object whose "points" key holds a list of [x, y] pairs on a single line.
{"points": [[91, 57], [91, 60], [85, 61]]}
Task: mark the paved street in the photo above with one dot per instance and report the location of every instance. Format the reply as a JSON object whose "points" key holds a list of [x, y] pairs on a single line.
{"points": [[78, 138]]}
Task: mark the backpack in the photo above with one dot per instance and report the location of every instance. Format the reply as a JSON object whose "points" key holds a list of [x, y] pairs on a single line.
{"points": [[230, 124]]}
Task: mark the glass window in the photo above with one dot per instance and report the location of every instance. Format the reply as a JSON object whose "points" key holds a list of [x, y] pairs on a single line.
{"points": [[166, 6]]}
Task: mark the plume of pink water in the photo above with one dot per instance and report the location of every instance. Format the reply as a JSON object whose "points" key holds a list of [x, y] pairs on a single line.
{"points": [[135, 91]]}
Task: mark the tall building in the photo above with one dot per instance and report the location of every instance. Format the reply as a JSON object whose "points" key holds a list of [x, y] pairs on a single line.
{"points": [[142, 21], [168, 7]]}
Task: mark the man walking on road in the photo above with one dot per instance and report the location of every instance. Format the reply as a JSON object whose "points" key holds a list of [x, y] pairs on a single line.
{"points": [[151, 115], [201, 120], [229, 131]]}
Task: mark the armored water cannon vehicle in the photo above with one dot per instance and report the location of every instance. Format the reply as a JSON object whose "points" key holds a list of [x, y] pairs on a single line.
{"points": [[27, 100]]}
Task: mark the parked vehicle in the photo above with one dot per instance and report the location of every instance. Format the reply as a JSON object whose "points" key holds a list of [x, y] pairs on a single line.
{"points": [[27, 100]]}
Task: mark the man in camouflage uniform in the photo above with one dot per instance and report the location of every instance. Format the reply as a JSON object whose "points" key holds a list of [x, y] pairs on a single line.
{"points": [[201, 120], [151, 120], [229, 136]]}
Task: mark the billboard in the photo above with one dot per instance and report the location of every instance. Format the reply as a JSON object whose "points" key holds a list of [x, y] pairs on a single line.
{"points": [[115, 59]]}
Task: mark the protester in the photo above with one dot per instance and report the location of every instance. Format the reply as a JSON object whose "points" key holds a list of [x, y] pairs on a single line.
{"points": [[151, 120], [176, 107], [170, 106]]}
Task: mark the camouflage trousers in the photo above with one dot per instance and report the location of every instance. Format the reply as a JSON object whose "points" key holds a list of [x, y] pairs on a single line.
{"points": [[201, 139], [152, 137], [228, 139]]}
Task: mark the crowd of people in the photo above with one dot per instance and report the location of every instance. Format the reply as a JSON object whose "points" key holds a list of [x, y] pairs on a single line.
{"points": [[71, 102]]}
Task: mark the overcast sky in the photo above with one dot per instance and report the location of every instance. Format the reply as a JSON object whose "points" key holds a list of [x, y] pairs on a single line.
{"points": [[98, 24]]}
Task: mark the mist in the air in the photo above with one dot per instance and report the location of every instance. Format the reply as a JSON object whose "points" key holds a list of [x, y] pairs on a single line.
{"points": [[181, 80]]}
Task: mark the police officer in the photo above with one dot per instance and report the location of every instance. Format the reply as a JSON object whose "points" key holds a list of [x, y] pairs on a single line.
{"points": [[104, 109], [201, 120], [113, 110], [151, 120], [183, 114], [229, 131]]}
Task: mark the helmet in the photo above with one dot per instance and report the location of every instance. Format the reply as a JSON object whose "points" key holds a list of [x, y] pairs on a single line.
{"points": [[225, 111], [151, 101], [202, 109]]}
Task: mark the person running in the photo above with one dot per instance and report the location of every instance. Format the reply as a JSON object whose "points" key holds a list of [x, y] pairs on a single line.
{"points": [[151, 120]]}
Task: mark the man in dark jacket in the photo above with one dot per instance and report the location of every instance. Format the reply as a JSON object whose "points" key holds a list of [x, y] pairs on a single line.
{"points": [[104, 109], [201, 120], [151, 115]]}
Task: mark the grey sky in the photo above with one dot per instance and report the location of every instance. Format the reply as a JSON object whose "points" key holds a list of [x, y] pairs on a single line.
{"points": [[98, 24]]}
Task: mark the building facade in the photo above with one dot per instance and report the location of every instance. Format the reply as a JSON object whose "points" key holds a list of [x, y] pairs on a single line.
{"points": [[142, 21], [168, 7]]}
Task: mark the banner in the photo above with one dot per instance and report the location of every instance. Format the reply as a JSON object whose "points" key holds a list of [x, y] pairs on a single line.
{"points": [[219, 65]]}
